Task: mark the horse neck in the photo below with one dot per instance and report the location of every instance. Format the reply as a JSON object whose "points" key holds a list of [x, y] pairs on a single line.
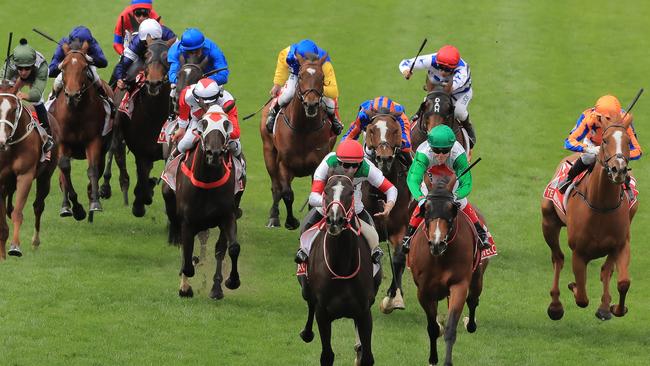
{"points": [[600, 190], [342, 253], [298, 116], [201, 170]]}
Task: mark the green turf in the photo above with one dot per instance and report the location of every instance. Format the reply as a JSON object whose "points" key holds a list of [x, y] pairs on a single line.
{"points": [[106, 293]]}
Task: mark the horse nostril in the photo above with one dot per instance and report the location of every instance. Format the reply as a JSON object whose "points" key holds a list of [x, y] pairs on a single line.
{"points": [[328, 220], [614, 169]]}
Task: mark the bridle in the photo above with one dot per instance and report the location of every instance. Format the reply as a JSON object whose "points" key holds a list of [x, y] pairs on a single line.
{"points": [[452, 222], [17, 115], [606, 159], [385, 144], [349, 214], [435, 97], [84, 85], [302, 94]]}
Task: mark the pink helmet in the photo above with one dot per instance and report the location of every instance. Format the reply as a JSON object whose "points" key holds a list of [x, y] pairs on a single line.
{"points": [[207, 89], [448, 56]]}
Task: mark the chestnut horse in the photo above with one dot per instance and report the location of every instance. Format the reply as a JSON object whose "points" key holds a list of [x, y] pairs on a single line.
{"points": [[383, 140], [150, 111], [80, 114], [340, 279], [598, 218], [300, 141], [204, 198], [443, 260], [20, 152]]}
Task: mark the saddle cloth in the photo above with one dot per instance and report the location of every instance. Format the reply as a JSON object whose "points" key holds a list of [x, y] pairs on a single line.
{"points": [[108, 122], [127, 104], [169, 173]]}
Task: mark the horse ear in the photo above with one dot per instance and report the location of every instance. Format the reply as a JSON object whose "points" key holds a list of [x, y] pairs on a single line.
{"points": [[84, 47], [323, 59], [182, 60], [149, 40], [204, 63], [447, 87], [171, 41], [65, 48], [300, 59], [627, 121]]}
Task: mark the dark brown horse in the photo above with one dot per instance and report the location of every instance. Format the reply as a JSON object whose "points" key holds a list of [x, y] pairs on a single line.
{"points": [[204, 198], [340, 279], [598, 218], [443, 260], [300, 141], [80, 114], [20, 152], [384, 140], [190, 72], [150, 111]]}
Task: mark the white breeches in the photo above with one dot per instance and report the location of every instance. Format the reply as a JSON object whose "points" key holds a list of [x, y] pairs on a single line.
{"points": [[461, 102], [58, 82], [187, 141], [289, 89]]}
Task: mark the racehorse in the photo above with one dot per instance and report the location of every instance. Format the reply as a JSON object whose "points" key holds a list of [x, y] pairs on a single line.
{"points": [[444, 260], [204, 198], [383, 140], [190, 72], [300, 141], [598, 218], [340, 278], [20, 152], [80, 114], [150, 111]]}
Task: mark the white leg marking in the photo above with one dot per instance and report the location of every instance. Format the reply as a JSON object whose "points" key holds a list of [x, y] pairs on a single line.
{"points": [[5, 107]]}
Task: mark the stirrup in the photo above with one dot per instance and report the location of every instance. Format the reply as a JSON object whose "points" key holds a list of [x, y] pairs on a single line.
{"points": [[301, 257], [484, 244], [270, 121], [406, 244], [376, 255], [48, 145], [564, 185], [337, 126]]}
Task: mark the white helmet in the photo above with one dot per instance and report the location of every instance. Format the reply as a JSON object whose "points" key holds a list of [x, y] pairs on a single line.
{"points": [[149, 27], [207, 89]]}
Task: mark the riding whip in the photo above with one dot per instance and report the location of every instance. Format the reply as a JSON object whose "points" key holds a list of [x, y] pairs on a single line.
{"points": [[257, 111], [468, 168], [46, 36], [632, 104], [210, 73], [11, 35], [418, 55]]}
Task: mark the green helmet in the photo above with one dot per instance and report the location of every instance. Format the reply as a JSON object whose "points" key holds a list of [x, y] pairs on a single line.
{"points": [[441, 137], [24, 54]]}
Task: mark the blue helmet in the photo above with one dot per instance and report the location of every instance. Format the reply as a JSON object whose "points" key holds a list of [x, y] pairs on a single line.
{"points": [[306, 46], [192, 39], [81, 33]]}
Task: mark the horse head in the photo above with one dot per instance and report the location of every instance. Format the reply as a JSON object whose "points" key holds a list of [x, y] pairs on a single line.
{"points": [[437, 108], [189, 73], [614, 152], [384, 137], [338, 200], [77, 76], [156, 64], [214, 129], [440, 213], [311, 82], [10, 113]]}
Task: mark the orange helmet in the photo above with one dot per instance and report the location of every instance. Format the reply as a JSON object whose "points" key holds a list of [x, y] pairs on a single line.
{"points": [[350, 151], [448, 56], [608, 105]]}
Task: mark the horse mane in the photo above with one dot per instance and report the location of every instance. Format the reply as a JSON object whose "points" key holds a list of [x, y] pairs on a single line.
{"points": [[75, 45], [310, 56]]}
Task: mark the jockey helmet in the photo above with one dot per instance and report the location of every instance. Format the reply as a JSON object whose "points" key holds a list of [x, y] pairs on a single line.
{"points": [[608, 105], [192, 39], [146, 4], [350, 151], [306, 46], [441, 137], [448, 56], [81, 33], [24, 54], [207, 90], [149, 27]]}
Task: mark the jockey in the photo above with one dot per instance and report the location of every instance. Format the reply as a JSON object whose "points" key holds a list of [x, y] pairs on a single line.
{"points": [[444, 67], [95, 57], [381, 104], [133, 55], [349, 155], [286, 73], [587, 136], [193, 42], [441, 150], [28, 67], [129, 20]]}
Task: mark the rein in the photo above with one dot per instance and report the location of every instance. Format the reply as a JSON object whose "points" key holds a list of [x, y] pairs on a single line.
{"points": [[189, 171], [84, 86], [13, 126]]}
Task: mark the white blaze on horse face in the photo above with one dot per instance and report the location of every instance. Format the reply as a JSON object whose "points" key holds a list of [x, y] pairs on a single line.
{"points": [[187, 72], [338, 190], [74, 61], [437, 234], [5, 107], [311, 70], [618, 137], [383, 129]]}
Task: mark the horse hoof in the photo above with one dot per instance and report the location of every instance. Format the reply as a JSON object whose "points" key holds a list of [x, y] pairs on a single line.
{"points": [[571, 286], [148, 200], [617, 311], [291, 223], [232, 283], [470, 326], [195, 260], [307, 335], [216, 294], [238, 213], [187, 293], [603, 314], [386, 305], [15, 251], [91, 216], [555, 313], [138, 210], [125, 197], [273, 222], [95, 206], [78, 213], [105, 191], [65, 212]]}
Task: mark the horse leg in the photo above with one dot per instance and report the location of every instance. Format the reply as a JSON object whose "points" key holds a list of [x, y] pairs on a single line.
{"points": [[274, 212], [141, 188], [4, 228], [603, 312], [42, 190], [286, 177], [325, 331], [475, 290], [95, 167], [307, 334], [579, 288], [233, 281], [187, 267], [551, 226], [219, 253], [457, 297], [623, 283], [174, 230], [363, 325], [434, 329], [394, 299], [271, 163], [23, 185], [69, 194], [105, 191], [120, 160]]}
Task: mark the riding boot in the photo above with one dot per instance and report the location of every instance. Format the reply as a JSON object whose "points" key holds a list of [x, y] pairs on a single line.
{"points": [[467, 125], [301, 256], [173, 154], [103, 95], [41, 112], [406, 241], [482, 235], [577, 168], [270, 119], [337, 126]]}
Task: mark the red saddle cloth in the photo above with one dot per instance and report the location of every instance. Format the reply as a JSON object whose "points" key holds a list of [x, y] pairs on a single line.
{"points": [[126, 104]]}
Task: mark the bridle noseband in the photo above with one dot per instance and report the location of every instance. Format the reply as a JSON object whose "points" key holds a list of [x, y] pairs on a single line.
{"points": [[84, 86], [302, 94], [452, 221]]}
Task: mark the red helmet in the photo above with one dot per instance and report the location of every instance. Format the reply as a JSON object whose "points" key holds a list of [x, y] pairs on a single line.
{"points": [[448, 56], [350, 151]]}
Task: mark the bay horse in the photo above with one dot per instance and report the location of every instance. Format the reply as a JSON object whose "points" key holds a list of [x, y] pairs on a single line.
{"points": [[340, 278], [444, 260], [598, 218], [300, 141], [150, 111], [189, 73], [20, 153], [80, 114], [204, 198], [383, 139]]}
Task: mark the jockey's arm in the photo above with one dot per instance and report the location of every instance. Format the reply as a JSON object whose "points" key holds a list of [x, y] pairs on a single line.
{"points": [[38, 86], [57, 58], [219, 62], [173, 60], [318, 185], [577, 134], [231, 110], [376, 179], [99, 60], [405, 124], [356, 126], [330, 89], [635, 148], [464, 182], [460, 78], [416, 175], [422, 63], [118, 33], [281, 68]]}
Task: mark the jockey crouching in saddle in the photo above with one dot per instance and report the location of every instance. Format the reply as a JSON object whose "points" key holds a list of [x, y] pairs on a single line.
{"points": [[444, 67], [387, 106], [441, 151], [95, 58], [27, 67], [350, 156], [587, 135], [132, 60], [286, 73]]}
